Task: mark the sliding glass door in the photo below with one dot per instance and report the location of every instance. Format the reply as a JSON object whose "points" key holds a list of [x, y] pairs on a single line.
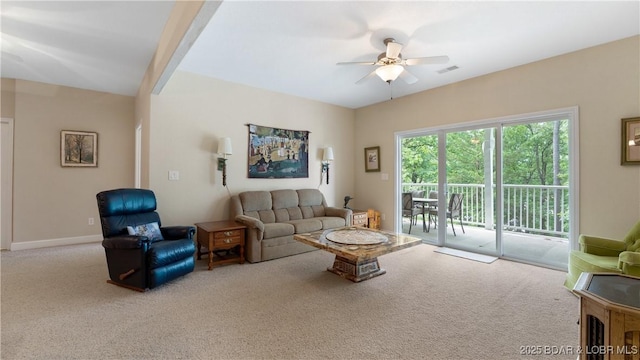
{"points": [[420, 180], [504, 188], [466, 209], [536, 202]]}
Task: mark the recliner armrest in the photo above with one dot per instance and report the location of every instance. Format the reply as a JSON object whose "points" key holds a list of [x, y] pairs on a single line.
{"points": [[178, 232], [125, 242], [601, 246]]}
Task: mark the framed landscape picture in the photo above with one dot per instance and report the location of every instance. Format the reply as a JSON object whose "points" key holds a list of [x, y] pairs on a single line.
{"points": [[78, 148], [630, 154], [372, 159]]}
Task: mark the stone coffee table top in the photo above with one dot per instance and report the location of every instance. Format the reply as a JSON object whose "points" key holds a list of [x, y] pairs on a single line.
{"points": [[356, 243]]}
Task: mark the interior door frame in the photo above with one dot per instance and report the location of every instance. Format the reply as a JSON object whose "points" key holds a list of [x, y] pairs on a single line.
{"points": [[6, 183], [569, 113]]}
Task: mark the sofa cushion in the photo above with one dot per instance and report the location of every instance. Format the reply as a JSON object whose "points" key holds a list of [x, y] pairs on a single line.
{"points": [[273, 230], [330, 222], [306, 225], [258, 204], [311, 202], [292, 213], [283, 199]]}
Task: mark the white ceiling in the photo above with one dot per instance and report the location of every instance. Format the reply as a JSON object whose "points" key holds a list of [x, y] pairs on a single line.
{"points": [[293, 47], [96, 45]]}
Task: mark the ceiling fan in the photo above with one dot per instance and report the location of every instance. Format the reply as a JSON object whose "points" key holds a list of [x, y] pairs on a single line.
{"points": [[391, 64]]}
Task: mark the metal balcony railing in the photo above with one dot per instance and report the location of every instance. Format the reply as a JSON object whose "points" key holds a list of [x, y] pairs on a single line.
{"points": [[535, 209]]}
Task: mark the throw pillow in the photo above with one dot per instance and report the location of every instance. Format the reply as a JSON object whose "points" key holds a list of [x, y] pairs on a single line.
{"points": [[151, 230]]}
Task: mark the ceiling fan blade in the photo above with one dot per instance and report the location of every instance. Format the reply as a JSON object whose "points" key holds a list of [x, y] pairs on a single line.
{"points": [[366, 77], [427, 60], [408, 77], [393, 49], [357, 63]]}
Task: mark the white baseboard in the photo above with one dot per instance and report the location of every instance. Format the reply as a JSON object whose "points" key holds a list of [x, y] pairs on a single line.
{"points": [[25, 245]]}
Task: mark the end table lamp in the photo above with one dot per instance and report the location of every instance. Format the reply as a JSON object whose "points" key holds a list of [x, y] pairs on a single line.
{"points": [[224, 149], [327, 157]]}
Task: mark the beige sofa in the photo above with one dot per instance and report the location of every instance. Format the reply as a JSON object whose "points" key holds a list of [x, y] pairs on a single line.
{"points": [[273, 217]]}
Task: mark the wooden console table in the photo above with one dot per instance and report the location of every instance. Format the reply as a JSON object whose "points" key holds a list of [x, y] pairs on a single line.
{"points": [[219, 236], [609, 316]]}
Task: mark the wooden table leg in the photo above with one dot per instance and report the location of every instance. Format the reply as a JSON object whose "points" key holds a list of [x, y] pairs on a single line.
{"points": [[210, 251]]}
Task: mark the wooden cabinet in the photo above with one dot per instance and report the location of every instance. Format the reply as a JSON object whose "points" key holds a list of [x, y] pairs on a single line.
{"points": [[359, 218], [220, 237], [609, 316]]}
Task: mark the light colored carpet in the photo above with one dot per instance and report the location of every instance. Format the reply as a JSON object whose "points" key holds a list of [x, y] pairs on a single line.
{"points": [[466, 255], [56, 304]]}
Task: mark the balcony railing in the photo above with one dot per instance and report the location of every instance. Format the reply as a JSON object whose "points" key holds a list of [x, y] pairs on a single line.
{"points": [[535, 209]]}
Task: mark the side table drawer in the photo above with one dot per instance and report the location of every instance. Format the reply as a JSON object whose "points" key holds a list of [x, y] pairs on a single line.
{"points": [[360, 219], [227, 233], [227, 241]]}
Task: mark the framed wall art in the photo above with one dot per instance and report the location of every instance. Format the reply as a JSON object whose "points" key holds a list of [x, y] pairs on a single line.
{"points": [[277, 153], [372, 159], [78, 148], [630, 152]]}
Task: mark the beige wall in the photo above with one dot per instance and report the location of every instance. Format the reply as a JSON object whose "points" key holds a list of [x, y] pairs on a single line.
{"points": [[180, 20], [8, 99], [193, 112], [50, 202], [604, 82]]}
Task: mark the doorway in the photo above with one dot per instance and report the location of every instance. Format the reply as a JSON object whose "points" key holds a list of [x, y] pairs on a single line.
{"points": [[6, 183]]}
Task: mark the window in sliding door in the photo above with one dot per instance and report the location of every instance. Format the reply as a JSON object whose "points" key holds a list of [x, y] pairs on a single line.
{"points": [[514, 180]]}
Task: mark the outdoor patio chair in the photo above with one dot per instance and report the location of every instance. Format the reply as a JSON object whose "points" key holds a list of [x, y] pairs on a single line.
{"points": [[409, 210], [454, 211]]}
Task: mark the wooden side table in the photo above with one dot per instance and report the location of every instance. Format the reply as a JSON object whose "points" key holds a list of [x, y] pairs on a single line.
{"points": [[359, 218], [218, 236], [609, 316]]}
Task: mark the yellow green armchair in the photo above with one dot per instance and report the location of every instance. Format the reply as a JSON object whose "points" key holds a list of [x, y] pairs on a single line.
{"points": [[605, 255]]}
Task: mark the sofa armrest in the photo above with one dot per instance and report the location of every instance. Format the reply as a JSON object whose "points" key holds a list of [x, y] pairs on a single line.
{"points": [[125, 242], [601, 246], [339, 212], [178, 232], [629, 263], [252, 224]]}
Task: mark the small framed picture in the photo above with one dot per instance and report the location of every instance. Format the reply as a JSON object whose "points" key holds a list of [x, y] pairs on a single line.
{"points": [[630, 154], [78, 148], [372, 159]]}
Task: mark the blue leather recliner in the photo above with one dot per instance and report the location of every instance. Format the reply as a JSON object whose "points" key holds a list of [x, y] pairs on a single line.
{"points": [[141, 254]]}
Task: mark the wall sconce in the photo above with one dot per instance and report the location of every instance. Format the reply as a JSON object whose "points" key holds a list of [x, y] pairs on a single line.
{"points": [[224, 149], [327, 157]]}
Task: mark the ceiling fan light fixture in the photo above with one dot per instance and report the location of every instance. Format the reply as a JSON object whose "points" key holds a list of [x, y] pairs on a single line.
{"points": [[389, 73]]}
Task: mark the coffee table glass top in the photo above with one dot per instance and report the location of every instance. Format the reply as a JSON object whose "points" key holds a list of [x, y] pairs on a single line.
{"points": [[615, 288]]}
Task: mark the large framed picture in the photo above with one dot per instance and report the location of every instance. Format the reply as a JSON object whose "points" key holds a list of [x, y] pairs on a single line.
{"points": [[78, 148], [277, 153], [630, 154], [372, 159]]}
